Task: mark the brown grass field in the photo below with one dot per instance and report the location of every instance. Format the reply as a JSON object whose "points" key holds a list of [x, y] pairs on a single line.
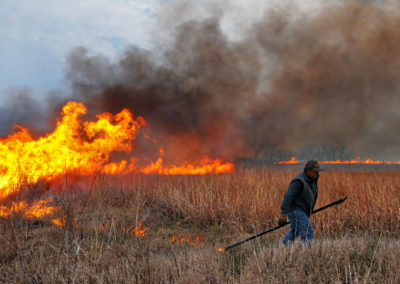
{"points": [[355, 242]]}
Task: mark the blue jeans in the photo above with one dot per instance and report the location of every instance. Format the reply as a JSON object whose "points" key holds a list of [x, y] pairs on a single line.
{"points": [[301, 225]]}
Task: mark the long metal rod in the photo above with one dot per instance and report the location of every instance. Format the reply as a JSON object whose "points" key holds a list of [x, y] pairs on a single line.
{"points": [[280, 226]]}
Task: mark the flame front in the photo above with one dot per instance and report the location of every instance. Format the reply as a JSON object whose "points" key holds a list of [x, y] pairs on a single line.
{"points": [[358, 160], [74, 145], [84, 147], [36, 210], [292, 161], [206, 166]]}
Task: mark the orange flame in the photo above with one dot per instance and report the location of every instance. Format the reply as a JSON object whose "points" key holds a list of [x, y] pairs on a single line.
{"points": [[84, 147], [207, 166], [61, 222], [180, 238], [35, 210], [40, 209], [221, 249], [359, 161], [74, 145], [292, 161], [355, 161], [138, 231], [15, 208]]}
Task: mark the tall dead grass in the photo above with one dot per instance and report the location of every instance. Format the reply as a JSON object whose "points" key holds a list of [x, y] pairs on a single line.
{"points": [[356, 241], [251, 199]]}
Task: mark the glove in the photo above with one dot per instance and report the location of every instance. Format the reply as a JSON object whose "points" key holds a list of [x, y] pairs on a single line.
{"points": [[282, 220]]}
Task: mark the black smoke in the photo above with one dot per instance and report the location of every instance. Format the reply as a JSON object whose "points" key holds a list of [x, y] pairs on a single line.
{"points": [[322, 85], [19, 106]]}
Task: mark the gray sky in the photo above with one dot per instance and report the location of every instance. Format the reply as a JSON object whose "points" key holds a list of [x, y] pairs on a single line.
{"points": [[37, 35]]}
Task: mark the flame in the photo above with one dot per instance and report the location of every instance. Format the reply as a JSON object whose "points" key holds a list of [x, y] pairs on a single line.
{"points": [[40, 209], [357, 160], [180, 238], [15, 208], [36, 210], [84, 147], [61, 222], [207, 166], [292, 161], [122, 167], [220, 249], [74, 145], [138, 231]]}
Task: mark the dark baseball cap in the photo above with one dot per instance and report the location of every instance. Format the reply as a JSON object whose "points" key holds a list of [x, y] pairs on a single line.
{"points": [[312, 165]]}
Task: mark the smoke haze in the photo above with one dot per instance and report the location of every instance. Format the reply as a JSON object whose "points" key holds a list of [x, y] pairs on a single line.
{"points": [[321, 82]]}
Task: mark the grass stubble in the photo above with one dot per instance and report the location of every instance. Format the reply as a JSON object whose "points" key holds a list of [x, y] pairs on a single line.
{"points": [[355, 242]]}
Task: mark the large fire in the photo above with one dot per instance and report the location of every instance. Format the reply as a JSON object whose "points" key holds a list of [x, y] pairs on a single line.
{"points": [[84, 147], [74, 145]]}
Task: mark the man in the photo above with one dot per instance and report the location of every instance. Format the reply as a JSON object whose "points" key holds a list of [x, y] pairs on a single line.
{"points": [[299, 202]]}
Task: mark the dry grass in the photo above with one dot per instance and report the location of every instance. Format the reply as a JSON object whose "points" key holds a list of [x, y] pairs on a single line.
{"points": [[356, 242]]}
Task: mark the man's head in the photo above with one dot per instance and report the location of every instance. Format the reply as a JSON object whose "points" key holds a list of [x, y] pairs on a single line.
{"points": [[312, 169]]}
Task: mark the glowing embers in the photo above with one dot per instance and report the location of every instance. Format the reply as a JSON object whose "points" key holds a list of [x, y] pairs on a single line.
{"points": [[138, 231], [187, 239]]}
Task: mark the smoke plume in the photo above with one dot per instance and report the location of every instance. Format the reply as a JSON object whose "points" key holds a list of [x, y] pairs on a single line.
{"points": [[322, 84]]}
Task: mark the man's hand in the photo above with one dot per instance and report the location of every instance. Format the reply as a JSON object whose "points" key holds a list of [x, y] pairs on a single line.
{"points": [[282, 220]]}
